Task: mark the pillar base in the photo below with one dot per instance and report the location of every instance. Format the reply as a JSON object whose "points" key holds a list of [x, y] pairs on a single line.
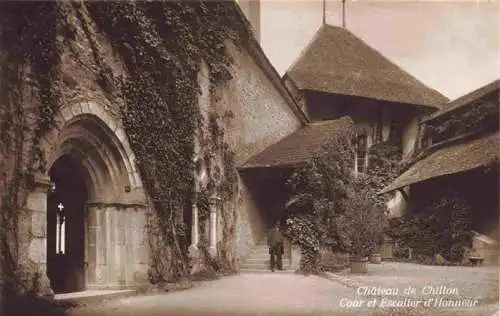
{"points": [[195, 259], [36, 283], [193, 252], [212, 251]]}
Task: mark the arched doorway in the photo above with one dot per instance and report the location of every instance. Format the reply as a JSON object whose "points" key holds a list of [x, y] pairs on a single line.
{"points": [[95, 213], [66, 226]]}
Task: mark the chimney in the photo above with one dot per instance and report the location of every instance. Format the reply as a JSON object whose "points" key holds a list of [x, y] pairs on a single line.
{"points": [[251, 8]]}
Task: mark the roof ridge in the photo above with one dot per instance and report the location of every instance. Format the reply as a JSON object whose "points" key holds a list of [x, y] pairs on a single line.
{"points": [[467, 98], [336, 51], [305, 49], [388, 60]]}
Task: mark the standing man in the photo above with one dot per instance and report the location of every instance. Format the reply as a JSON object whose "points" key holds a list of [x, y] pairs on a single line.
{"points": [[275, 244]]}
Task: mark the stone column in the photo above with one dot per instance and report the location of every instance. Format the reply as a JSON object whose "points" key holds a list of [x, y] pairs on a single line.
{"points": [[99, 245], [33, 237], [214, 203], [195, 237]]}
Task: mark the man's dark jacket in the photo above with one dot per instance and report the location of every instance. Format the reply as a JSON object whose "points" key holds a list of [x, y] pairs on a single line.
{"points": [[275, 239]]}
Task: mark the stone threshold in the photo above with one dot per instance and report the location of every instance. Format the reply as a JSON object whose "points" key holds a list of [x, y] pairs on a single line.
{"points": [[90, 296], [257, 271]]}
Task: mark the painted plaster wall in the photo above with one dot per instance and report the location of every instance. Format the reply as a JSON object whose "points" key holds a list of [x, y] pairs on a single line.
{"points": [[410, 134], [398, 205]]}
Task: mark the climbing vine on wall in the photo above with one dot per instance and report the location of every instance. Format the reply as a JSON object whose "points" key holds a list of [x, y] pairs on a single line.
{"points": [[218, 161], [161, 45], [442, 227], [481, 115], [30, 93], [384, 167]]}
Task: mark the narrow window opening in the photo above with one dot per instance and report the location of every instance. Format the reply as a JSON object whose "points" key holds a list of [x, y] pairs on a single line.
{"points": [[61, 230]]}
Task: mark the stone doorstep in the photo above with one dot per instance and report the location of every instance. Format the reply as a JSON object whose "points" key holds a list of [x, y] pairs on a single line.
{"points": [[259, 271], [91, 296]]}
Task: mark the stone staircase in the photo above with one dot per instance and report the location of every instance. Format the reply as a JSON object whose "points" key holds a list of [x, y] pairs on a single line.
{"points": [[258, 260]]}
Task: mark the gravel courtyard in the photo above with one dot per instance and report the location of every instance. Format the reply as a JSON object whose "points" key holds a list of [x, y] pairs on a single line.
{"points": [[333, 294]]}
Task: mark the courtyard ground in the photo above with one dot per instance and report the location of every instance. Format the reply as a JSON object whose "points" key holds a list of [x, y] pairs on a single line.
{"points": [[331, 294], [441, 287]]}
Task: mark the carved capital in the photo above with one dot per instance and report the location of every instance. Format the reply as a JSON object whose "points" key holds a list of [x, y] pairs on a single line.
{"points": [[194, 197], [42, 183], [214, 200]]}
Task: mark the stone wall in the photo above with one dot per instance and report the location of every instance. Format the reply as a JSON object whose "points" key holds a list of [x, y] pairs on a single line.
{"points": [[251, 224], [261, 116], [32, 240], [117, 248], [116, 254]]}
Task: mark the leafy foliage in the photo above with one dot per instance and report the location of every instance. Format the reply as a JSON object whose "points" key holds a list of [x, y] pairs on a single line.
{"points": [[480, 115], [361, 225], [222, 182], [384, 168], [31, 58], [326, 208], [443, 227], [440, 225], [161, 45]]}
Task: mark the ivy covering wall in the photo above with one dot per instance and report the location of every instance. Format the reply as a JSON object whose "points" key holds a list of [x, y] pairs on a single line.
{"points": [[480, 115], [440, 218], [161, 45]]}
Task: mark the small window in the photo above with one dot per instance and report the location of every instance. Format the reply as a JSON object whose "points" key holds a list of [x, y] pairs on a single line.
{"points": [[61, 230]]}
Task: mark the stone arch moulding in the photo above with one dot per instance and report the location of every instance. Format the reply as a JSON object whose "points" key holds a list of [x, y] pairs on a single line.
{"points": [[88, 133], [89, 122]]}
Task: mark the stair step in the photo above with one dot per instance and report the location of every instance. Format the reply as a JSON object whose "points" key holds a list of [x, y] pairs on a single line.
{"points": [[265, 271], [259, 264], [263, 268], [264, 256], [266, 260], [285, 268], [259, 261]]}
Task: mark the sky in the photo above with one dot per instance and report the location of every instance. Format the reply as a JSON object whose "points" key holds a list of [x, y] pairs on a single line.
{"points": [[451, 46]]}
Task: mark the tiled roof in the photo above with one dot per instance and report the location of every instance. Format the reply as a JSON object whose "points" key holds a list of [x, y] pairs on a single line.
{"points": [[300, 146], [467, 99], [336, 61], [450, 160]]}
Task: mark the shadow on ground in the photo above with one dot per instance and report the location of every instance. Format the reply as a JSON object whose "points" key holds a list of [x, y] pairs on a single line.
{"points": [[34, 307]]}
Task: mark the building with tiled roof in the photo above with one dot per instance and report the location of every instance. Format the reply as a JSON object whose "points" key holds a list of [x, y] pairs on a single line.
{"points": [[459, 153], [300, 146], [338, 62], [338, 74]]}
